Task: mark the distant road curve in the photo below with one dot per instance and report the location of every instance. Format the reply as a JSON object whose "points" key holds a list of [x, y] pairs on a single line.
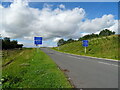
{"points": [[86, 72]]}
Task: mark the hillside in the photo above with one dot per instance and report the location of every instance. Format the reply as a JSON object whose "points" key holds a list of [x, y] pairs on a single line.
{"points": [[104, 47]]}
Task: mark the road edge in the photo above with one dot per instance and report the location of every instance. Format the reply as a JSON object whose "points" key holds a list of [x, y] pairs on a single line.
{"points": [[62, 70], [113, 60]]}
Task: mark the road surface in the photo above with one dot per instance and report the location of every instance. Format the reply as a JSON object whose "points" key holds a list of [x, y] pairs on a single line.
{"points": [[86, 72]]}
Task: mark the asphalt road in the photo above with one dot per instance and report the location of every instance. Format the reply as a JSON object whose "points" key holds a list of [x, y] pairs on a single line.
{"points": [[86, 72]]}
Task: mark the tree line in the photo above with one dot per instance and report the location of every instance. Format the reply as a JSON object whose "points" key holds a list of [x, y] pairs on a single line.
{"points": [[8, 44], [105, 32]]}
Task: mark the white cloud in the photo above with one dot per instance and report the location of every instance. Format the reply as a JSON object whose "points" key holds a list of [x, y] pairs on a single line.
{"points": [[62, 6], [97, 24], [83, 34], [27, 43], [21, 21], [56, 39], [114, 27]]}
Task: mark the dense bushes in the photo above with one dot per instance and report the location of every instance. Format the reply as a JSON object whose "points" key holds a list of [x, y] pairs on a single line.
{"points": [[8, 44], [105, 32], [89, 36], [62, 41]]}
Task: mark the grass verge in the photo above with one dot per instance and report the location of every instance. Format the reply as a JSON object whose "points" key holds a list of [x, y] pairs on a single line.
{"points": [[104, 47], [32, 69]]}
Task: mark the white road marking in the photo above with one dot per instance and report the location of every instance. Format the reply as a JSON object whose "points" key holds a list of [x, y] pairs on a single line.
{"points": [[108, 64], [73, 57], [90, 57], [77, 58], [98, 61]]}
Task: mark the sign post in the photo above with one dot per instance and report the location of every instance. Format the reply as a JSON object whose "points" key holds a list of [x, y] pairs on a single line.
{"points": [[85, 44], [37, 41], [85, 50]]}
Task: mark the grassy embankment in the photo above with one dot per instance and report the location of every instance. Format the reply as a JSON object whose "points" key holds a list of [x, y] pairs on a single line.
{"points": [[104, 47], [31, 69]]}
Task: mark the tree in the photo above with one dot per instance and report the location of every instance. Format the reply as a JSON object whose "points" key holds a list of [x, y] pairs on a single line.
{"points": [[89, 36], [19, 45], [106, 32], [6, 39], [70, 40], [7, 44], [61, 42], [13, 44]]}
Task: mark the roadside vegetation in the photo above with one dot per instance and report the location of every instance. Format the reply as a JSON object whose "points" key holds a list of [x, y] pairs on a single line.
{"points": [[8, 55], [8, 44], [104, 45], [30, 68], [103, 33]]}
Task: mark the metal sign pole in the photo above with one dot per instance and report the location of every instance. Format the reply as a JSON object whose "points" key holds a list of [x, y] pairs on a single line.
{"points": [[37, 48], [85, 50], [85, 44], [37, 42]]}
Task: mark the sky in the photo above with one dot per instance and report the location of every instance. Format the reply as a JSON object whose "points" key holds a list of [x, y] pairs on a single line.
{"points": [[65, 0], [22, 20]]}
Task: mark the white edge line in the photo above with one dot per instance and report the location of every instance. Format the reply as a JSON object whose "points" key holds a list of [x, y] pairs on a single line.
{"points": [[94, 57], [91, 57], [108, 64]]}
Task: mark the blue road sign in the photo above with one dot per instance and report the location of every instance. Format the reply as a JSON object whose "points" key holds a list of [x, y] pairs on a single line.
{"points": [[37, 40], [85, 43]]}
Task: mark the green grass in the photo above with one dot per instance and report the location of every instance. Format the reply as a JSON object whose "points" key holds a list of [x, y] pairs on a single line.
{"points": [[105, 47], [32, 69], [10, 55]]}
